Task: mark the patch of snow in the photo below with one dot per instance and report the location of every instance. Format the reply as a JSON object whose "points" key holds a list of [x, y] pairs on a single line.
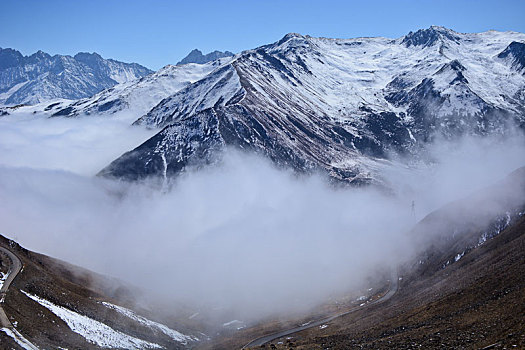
{"points": [[93, 331], [459, 256], [173, 334], [483, 238], [238, 325], [410, 135], [231, 323], [3, 277]]}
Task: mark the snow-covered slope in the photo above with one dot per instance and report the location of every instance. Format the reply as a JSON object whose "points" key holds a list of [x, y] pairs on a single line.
{"points": [[139, 96], [338, 104], [42, 77], [93, 331], [173, 334]]}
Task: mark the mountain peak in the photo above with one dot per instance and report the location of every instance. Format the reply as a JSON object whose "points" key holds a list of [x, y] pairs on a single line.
{"points": [[40, 55], [9, 58], [439, 28], [86, 56], [292, 35], [196, 56], [428, 37], [193, 53]]}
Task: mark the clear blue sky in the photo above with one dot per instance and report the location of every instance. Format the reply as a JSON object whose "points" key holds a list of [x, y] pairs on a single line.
{"points": [[155, 32]]}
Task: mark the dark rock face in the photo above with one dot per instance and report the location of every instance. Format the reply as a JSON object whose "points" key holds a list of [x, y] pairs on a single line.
{"points": [[41, 77], [330, 105], [171, 150], [196, 56], [9, 58], [428, 37], [516, 53]]}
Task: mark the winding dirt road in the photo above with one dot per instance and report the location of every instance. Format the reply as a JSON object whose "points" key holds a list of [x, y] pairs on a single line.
{"points": [[14, 269], [5, 325], [394, 285]]}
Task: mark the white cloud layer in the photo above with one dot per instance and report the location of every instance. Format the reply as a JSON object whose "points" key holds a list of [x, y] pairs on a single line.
{"points": [[80, 146], [243, 234]]}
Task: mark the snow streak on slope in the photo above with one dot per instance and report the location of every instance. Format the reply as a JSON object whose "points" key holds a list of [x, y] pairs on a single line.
{"points": [[94, 331], [3, 277], [173, 334]]}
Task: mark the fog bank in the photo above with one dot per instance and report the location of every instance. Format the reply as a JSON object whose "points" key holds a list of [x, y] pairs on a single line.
{"points": [[241, 235]]}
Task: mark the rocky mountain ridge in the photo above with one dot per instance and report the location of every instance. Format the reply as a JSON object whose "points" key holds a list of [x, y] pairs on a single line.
{"points": [[42, 77]]}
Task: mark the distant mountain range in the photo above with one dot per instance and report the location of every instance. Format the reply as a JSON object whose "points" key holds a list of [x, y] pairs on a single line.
{"points": [[338, 106], [136, 97], [42, 77], [196, 56]]}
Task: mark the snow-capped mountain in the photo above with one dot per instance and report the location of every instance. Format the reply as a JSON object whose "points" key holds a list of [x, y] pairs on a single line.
{"points": [[137, 97], [196, 56], [338, 105], [42, 77]]}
